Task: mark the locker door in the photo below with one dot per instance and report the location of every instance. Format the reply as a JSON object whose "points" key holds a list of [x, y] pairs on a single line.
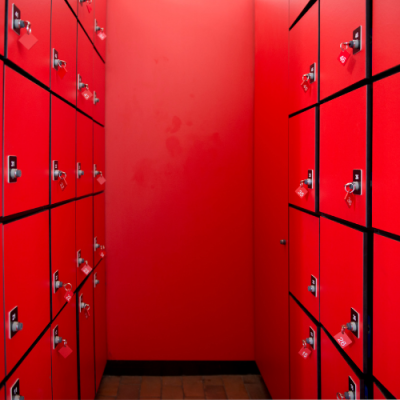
{"points": [[304, 259], [99, 158], [86, 16], [84, 155], [84, 237], [26, 142], [1, 114], [63, 254], [342, 21], [343, 149], [84, 96], [295, 8], [100, 8], [63, 47], [2, 369], [99, 87], [26, 283], [74, 5], [33, 57], [99, 227], [386, 298], [2, 19], [385, 155], [32, 379], [63, 144], [378, 393], [303, 58], [64, 365], [302, 160], [100, 323], [303, 355], [342, 285], [336, 373], [86, 345]]}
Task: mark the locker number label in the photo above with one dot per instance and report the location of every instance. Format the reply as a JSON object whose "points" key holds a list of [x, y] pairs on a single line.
{"points": [[304, 352], [343, 340]]}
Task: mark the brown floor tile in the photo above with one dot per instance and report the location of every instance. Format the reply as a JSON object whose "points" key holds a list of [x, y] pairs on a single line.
{"points": [[252, 378], [132, 380], [213, 380], [129, 391], [215, 392], [109, 386], [257, 391], [151, 387], [193, 387], [172, 381], [234, 387], [172, 392]]}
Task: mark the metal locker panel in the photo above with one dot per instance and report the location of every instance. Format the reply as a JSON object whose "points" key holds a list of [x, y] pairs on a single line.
{"points": [[338, 22], [64, 369], [343, 152], [302, 159], [295, 8], [74, 5], [378, 393], [26, 136], [84, 155], [1, 116], [100, 13], [86, 344], [99, 159], [86, 16], [36, 59], [304, 259], [2, 27], [63, 147], [385, 155], [26, 282], [63, 254], [335, 372], [64, 28], [100, 322], [99, 89], [342, 283], [303, 370], [303, 59], [99, 227], [2, 354], [32, 379]]}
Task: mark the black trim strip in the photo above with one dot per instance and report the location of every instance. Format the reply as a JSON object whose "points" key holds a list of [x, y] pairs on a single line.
{"points": [[301, 15], [314, 214], [382, 388]]}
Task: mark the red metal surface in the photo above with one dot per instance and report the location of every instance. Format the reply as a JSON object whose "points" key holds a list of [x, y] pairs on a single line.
{"points": [[270, 207], [26, 281], [99, 156], [64, 370], [34, 373], [304, 258], [100, 321], [377, 393], [30, 143], [63, 251], [86, 16], [181, 121], [338, 20], [303, 372], [342, 150], [303, 52], [337, 273], [36, 60], [302, 157], [84, 154], [74, 5], [63, 39], [295, 8], [99, 86], [1, 117], [2, 19], [335, 371], [99, 224], [100, 14], [2, 339], [385, 155], [386, 281], [63, 145]]}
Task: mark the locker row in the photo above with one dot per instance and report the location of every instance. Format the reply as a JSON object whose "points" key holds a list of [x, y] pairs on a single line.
{"points": [[338, 32], [76, 143]]}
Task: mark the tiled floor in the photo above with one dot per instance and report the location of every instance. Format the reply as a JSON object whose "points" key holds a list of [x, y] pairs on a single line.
{"points": [[183, 387]]}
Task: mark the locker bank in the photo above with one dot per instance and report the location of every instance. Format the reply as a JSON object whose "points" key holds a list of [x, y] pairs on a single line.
{"points": [[199, 199]]}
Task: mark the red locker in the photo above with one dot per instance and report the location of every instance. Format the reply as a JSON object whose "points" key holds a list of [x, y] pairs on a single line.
{"points": [[303, 355], [26, 144], [30, 51], [343, 150], [302, 160], [1, 114], [99, 227], [342, 22], [63, 144], [378, 393], [32, 379], [26, 283], [386, 298], [86, 344], [86, 16], [84, 238], [295, 8], [100, 8], [84, 96], [385, 46], [84, 155], [304, 259], [385, 155], [99, 89], [100, 322], [99, 161], [64, 365], [2, 369], [303, 58], [63, 255], [342, 285], [337, 377], [63, 51], [74, 5], [2, 19]]}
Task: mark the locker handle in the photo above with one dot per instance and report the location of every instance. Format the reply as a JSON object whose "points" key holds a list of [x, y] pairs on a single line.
{"points": [[17, 326], [19, 23], [95, 98], [283, 241], [16, 173], [311, 288], [353, 44], [352, 186], [58, 339], [308, 77], [351, 326], [60, 63], [307, 181], [309, 341], [59, 284]]}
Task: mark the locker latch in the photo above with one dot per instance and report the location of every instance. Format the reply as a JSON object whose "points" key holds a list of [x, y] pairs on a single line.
{"points": [[354, 44], [95, 98], [57, 63], [311, 339], [15, 325], [310, 179], [353, 325], [57, 284], [84, 89], [56, 338], [13, 172], [96, 281], [57, 173], [79, 170], [80, 260], [18, 23], [313, 287], [15, 392], [84, 306], [95, 172], [308, 78], [351, 393]]}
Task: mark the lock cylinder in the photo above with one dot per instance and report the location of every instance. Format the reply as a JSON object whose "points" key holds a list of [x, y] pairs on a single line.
{"points": [[310, 341], [81, 173], [59, 284], [17, 326], [58, 339], [311, 288], [81, 260], [351, 326], [349, 395], [18, 397], [16, 173]]}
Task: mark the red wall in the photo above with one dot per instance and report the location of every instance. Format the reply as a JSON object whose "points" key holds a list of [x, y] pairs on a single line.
{"points": [[179, 179]]}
